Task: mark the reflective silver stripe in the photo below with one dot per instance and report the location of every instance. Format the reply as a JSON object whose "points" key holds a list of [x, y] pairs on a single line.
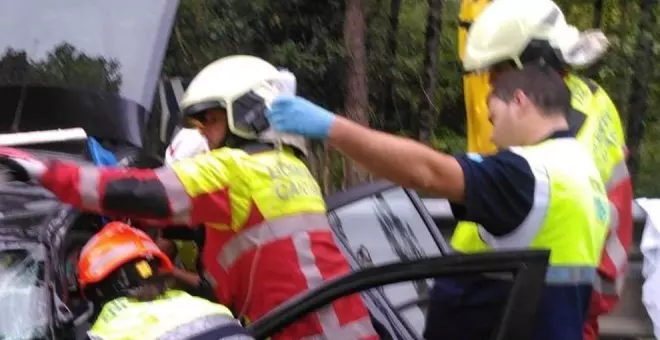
{"points": [[327, 316], [619, 173], [614, 220], [88, 187], [522, 236], [570, 275], [616, 252], [613, 247], [267, 232], [297, 228], [607, 287], [180, 201], [198, 326]]}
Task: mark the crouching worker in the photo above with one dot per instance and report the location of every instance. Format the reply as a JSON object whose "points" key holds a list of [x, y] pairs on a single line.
{"points": [[123, 270]]}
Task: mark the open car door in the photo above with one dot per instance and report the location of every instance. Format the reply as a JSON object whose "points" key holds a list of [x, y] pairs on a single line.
{"points": [[395, 249]]}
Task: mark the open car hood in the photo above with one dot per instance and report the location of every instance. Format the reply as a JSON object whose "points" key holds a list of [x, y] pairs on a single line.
{"points": [[92, 64]]}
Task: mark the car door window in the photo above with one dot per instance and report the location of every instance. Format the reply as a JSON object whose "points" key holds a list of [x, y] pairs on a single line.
{"points": [[383, 228]]}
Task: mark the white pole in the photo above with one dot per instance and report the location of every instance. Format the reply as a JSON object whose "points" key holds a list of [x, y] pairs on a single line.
{"points": [[46, 136]]}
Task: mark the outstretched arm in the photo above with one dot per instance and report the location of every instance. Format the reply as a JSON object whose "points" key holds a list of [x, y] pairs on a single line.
{"points": [[399, 159], [159, 197]]}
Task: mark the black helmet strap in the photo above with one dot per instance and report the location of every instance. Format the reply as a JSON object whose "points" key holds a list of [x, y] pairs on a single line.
{"points": [[129, 276], [540, 51]]}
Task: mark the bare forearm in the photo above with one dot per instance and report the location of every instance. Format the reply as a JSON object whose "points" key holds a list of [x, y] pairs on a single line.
{"points": [[188, 278], [400, 160]]}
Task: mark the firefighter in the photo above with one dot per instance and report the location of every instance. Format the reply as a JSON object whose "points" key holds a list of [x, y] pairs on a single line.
{"points": [[189, 142], [122, 270], [542, 190], [267, 236], [510, 34]]}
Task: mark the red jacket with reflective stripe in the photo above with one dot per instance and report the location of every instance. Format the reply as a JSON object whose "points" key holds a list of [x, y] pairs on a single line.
{"points": [[599, 128], [268, 238]]}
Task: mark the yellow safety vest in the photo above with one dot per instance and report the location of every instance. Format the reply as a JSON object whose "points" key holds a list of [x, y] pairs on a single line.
{"points": [[174, 316], [277, 183], [187, 252], [602, 132], [602, 135], [570, 214]]}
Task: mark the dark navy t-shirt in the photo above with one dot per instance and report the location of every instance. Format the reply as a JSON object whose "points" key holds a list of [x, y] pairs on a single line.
{"points": [[499, 191], [502, 192]]}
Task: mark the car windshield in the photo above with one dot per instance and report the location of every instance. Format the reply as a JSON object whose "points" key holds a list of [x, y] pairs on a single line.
{"points": [[92, 63], [24, 299], [23, 295]]}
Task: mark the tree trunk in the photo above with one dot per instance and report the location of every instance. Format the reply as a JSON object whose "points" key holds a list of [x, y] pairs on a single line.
{"points": [[598, 14], [639, 88], [315, 162], [428, 77], [390, 121], [326, 166], [371, 13], [357, 96]]}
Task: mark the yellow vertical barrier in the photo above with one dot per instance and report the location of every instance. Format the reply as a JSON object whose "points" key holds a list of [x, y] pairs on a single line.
{"points": [[475, 87]]}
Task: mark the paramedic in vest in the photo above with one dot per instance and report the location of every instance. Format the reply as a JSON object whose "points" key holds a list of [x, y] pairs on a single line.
{"points": [[267, 235], [542, 190], [509, 34], [122, 271], [188, 142]]}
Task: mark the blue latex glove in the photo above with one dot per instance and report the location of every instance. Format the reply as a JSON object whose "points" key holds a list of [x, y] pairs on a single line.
{"points": [[297, 115]]}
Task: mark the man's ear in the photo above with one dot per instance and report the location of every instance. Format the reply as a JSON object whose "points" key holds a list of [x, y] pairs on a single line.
{"points": [[519, 97], [520, 102]]}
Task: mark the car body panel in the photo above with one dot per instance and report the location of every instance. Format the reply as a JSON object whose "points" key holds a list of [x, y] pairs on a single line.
{"points": [[378, 224]]}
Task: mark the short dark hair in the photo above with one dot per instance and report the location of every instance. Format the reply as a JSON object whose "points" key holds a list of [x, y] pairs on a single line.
{"points": [[543, 85]]}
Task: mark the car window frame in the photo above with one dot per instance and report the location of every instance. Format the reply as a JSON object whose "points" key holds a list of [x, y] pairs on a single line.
{"points": [[379, 304], [516, 321], [360, 192]]}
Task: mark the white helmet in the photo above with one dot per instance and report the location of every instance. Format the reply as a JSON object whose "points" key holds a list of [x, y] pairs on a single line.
{"points": [[528, 30], [244, 87]]}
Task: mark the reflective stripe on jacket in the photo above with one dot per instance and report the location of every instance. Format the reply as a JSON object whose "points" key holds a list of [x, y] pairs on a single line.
{"points": [[602, 134], [569, 217], [235, 195], [278, 243], [176, 315]]}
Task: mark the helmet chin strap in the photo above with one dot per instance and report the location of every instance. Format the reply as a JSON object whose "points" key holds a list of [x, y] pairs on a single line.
{"points": [[234, 141]]}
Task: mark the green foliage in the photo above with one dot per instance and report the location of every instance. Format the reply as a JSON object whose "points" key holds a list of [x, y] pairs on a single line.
{"points": [[63, 66], [307, 37], [448, 141]]}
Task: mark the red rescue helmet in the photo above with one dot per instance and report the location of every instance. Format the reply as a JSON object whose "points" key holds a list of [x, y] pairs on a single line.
{"points": [[117, 258]]}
